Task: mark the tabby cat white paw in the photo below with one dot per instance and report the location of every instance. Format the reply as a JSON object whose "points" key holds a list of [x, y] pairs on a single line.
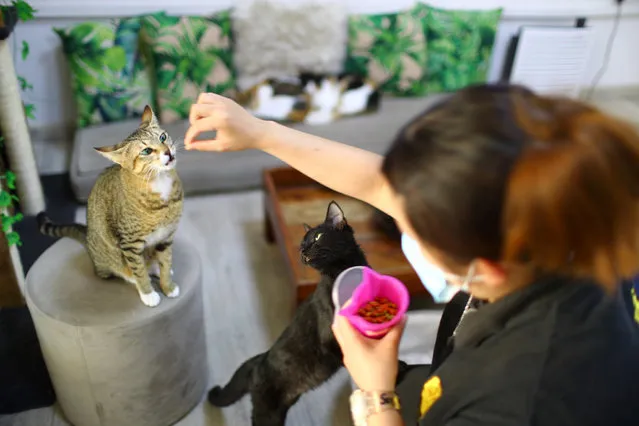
{"points": [[175, 292], [151, 299]]}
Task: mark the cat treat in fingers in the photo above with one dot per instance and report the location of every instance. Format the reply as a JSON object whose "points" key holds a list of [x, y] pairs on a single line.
{"points": [[133, 212]]}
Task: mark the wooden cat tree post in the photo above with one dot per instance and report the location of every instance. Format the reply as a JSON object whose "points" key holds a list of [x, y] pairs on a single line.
{"points": [[17, 140]]}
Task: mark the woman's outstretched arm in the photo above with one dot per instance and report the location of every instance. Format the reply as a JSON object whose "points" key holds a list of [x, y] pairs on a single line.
{"points": [[344, 168], [351, 171]]}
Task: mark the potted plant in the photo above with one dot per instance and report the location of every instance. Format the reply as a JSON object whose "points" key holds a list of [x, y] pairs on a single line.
{"points": [[25, 381], [11, 12]]}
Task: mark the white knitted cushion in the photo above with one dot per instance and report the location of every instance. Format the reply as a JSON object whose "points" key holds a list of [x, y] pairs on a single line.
{"points": [[274, 38]]}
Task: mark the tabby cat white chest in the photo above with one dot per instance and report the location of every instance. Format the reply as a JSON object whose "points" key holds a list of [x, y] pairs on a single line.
{"points": [[158, 236], [162, 185]]}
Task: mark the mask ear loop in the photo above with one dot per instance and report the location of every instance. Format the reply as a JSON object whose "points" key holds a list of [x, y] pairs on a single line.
{"points": [[470, 277]]}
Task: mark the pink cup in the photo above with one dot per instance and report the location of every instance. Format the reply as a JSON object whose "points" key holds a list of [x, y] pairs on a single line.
{"points": [[374, 285]]}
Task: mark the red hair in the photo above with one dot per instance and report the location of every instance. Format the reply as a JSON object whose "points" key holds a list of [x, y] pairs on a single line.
{"points": [[571, 200], [501, 173]]}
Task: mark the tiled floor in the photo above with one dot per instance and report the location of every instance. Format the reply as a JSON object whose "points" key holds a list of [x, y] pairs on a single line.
{"points": [[237, 262]]}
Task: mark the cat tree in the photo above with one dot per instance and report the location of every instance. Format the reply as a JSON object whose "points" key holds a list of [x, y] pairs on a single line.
{"points": [[112, 360], [17, 140]]}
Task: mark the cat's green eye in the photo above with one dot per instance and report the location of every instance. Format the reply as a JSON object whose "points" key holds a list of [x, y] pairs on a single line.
{"points": [[163, 137], [146, 151], [318, 236]]}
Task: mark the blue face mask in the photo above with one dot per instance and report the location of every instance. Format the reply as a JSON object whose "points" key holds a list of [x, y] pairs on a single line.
{"points": [[436, 281]]}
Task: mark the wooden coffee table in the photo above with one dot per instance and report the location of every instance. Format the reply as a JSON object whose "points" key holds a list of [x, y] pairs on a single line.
{"points": [[292, 199]]}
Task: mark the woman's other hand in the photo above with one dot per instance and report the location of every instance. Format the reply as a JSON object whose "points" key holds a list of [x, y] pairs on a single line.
{"points": [[372, 363], [236, 129]]}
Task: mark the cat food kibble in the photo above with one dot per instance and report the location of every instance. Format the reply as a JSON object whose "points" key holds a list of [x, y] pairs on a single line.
{"points": [[378, 310]]}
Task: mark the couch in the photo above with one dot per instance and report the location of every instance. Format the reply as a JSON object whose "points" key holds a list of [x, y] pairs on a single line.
{"points": [[212, 172]]}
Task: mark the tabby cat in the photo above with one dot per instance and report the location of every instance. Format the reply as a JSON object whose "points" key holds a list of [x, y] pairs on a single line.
{"points": [[306, 354], [133, 212]]}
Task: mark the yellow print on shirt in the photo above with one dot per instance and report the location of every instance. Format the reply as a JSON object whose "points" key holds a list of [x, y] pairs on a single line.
{"points": [[431, 392], [635, 302]]}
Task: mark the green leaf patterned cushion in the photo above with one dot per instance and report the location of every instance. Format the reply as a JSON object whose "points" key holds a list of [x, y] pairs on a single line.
{"points": [[390, 49], [460, 46], [190, 55], [108, 74]]}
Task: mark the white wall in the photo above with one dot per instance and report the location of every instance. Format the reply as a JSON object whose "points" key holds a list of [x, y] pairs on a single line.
{"points": [[46, 69]]}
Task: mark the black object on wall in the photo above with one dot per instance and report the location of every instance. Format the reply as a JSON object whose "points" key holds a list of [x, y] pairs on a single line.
{"points": [[510, 59]]}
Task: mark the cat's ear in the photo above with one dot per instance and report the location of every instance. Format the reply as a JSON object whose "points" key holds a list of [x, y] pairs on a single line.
{"points": [[335, 216], [307, 227], [148, 117], [114, 153]]}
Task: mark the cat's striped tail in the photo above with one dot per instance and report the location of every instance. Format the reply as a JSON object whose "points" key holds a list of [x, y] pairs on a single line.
{"points": [[74, 230]]}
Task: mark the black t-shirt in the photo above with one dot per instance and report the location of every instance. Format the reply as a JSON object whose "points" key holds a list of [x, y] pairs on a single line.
{"points": [[557, 353]]}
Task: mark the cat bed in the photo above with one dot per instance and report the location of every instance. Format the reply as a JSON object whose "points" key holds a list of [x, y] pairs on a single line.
{"points": [[112, 360]]}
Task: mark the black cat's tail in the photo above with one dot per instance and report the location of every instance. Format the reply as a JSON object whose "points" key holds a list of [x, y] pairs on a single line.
{"points": [[74, 230], [237, 387]]}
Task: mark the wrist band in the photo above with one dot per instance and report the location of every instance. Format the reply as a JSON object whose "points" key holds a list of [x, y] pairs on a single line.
{"points": [[366, 403]]}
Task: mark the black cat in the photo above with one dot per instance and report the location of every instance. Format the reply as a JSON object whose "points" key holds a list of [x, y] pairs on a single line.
{"points": [[306, 354]]}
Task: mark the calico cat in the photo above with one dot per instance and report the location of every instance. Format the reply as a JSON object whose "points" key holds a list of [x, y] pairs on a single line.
{"points": [[312, 98], [265, 100], [357, 94], [306, 354], [132, 212]]}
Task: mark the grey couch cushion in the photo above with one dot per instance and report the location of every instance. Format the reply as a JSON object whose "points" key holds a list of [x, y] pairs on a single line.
{"points": [[210, 172]]}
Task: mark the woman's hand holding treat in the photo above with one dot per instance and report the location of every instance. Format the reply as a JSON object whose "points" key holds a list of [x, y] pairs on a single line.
{"points": [[236, 129]]}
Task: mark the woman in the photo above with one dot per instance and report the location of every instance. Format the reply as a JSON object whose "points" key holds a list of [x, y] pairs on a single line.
{"points": [[529, 204]]}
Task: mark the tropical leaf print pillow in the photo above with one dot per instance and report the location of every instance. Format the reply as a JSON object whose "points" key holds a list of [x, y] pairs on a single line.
{"points": [[108, 74], [190, 55], [390, 49], [460, 46]]}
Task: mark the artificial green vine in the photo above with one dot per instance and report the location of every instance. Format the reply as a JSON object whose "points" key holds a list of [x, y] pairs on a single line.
{"points": [[8, 199]]}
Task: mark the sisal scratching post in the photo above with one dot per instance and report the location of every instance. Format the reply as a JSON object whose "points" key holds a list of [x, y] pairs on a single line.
{"points": [[17, 139], [112, 360]]}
